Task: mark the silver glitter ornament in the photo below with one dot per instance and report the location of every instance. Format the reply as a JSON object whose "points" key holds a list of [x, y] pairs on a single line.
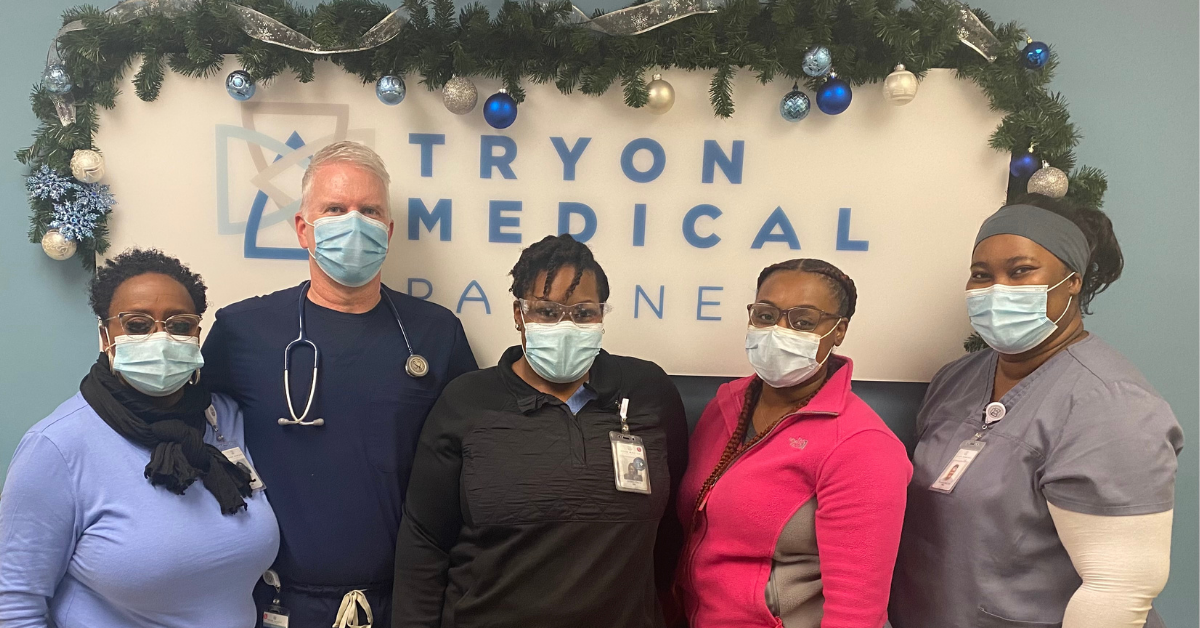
{"points": [[87, 165], [459, 95], [900, 87], [661, 96], [1049, 181], [57, 246]]}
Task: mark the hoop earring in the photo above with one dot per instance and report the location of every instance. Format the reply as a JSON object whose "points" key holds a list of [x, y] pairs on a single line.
{"points": [[195, 378]]}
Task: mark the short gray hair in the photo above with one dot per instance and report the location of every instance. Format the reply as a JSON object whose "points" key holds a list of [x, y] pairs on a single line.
{"points": [[348, 152]]}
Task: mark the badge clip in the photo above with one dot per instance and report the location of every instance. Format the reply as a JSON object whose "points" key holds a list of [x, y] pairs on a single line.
{"points": [[276, 616]]}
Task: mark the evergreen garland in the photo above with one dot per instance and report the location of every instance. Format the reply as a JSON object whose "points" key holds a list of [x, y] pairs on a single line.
{"points": [[529, 41]]}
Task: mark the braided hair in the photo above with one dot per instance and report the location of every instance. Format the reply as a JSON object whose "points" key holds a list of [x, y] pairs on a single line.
{"points": [[1105, 261], [737, 441], [841, 283], [549, 255], [847, 297]]}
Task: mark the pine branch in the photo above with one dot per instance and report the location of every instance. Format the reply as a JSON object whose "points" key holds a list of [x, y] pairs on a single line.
{"points": [[532, 41]]}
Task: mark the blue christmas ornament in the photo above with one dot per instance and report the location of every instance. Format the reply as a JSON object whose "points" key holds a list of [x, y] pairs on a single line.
{"points": [[240, 85], [1023, 165], [55, 79], [817, 62], [1035, 55], [834, 96], [390, 90], [500, 110], [795, 105]]}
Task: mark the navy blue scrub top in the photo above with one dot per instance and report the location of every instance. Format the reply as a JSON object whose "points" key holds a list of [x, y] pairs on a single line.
{"points": [[337, 489]]}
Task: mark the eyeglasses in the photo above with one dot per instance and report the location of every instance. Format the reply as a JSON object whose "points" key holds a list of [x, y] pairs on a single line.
{"points": [[798, 318], [551, 312], [139, 326]]}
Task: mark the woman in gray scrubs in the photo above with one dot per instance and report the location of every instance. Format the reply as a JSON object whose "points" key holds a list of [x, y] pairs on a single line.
{"points": [[1043, 481]]}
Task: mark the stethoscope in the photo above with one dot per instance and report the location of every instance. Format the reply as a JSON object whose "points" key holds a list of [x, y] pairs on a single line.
{"points": [[415, 366]]}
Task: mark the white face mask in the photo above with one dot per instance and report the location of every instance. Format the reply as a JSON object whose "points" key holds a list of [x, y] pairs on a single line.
{"points": [[784, 357]]}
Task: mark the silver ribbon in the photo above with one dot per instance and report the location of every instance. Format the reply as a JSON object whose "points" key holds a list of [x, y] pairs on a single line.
{"points": [[272, 31], [633, 20], [122, 12], [975, 35], [643, 17]]}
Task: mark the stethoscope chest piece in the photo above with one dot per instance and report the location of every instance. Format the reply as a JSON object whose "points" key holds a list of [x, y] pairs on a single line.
{"points": [[416, 366]]}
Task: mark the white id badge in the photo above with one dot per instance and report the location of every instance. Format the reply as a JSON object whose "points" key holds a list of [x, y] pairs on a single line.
{"points": [[238, 458], [629, 463], [958, 465], [275, 617]]}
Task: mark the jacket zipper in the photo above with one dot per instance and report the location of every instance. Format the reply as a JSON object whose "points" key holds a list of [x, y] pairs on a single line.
{"points": [[704, 502]]}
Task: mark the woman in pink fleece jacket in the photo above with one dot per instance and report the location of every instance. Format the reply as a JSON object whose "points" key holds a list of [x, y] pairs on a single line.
{"points": [[794, 494]]}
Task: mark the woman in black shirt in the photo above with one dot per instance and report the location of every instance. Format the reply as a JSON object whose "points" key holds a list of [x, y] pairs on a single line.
{"points": [[519, 512]]}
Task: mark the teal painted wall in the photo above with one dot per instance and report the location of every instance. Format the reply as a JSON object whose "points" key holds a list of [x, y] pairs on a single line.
{"points": [[1129, 69]]}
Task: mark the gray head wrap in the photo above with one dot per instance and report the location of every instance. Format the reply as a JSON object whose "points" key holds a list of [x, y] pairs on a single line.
{"points": [[1054, 233]]}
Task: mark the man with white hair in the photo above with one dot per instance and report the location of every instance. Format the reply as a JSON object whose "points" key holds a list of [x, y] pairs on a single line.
{"points": [[333, 429]]}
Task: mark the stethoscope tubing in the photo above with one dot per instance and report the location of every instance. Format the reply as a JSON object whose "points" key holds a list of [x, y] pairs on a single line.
{"points": [[302, 338]]}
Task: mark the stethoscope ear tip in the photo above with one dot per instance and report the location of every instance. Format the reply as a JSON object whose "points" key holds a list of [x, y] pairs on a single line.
{"points": [[283, 421], [319, 422]]}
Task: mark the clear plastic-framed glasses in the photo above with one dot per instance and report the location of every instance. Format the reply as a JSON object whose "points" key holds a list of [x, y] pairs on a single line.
{"points": [[139, 326], [538, 311], [798, 318]]}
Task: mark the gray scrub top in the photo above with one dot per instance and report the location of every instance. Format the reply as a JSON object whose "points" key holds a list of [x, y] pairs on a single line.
{"points": [[1085, 431]]}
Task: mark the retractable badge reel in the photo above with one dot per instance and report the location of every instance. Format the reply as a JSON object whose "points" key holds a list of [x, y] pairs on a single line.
{"points": [[275, 616], [629, 457], [968, 451]]}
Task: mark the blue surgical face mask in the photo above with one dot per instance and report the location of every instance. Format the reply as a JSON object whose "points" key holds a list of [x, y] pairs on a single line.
{"points": [[158, 365], [562, 352], [350, 248], [1013, 319]]}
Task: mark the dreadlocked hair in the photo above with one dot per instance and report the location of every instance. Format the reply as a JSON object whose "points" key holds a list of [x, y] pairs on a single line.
{"points": [[1105, 261], [737, 441], [840, 282], [549, 255]]}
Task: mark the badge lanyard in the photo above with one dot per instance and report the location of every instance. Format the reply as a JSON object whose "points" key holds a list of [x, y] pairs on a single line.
{"points": [[275, 616], [631, 471], [968, 451], [233, 454]]}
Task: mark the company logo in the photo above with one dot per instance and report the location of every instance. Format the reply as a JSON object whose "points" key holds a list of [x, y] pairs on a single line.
{"points": [[276, 166]]}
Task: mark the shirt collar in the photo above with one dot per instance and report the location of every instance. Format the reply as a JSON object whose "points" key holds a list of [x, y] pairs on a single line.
{"points": [[605, 379]]}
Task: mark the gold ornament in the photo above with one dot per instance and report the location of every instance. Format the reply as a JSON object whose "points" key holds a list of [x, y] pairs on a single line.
{"points": [[459, 95], [900, 87], [1049, 181], [87, 165], [57, 246], [661, 96]]}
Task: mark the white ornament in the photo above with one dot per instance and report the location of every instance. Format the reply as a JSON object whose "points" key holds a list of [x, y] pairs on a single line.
{"points": [[1049, 181], [900, 87], [57, 246], [459, 95], [661, 96], [87, 165]]}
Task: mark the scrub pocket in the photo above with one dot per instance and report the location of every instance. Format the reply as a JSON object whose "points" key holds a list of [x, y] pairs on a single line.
{"points": [[985, 619], [393, 425]]}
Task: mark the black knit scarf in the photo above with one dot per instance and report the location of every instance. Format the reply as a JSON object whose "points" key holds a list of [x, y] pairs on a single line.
{"points": [[179, 456]]}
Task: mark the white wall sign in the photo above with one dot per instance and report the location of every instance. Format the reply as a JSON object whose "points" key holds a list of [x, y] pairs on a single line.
{"points": [[682, 210]]}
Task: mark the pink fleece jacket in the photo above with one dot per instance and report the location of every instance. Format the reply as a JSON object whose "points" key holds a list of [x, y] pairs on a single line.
{"points": [[835, 451]]}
